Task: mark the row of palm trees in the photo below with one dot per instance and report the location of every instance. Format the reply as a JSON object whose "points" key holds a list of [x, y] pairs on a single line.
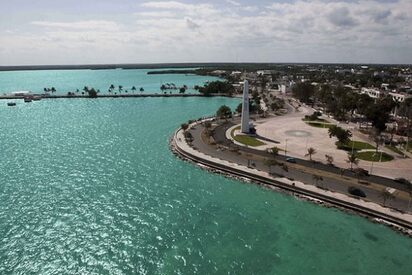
{"points": [[49, 90], [119, 89], [112, 89], [352, 159], [172, 86]]}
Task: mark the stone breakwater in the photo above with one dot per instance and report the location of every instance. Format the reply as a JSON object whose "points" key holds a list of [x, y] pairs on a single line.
{"points": [[113, 96], [316, 198]]}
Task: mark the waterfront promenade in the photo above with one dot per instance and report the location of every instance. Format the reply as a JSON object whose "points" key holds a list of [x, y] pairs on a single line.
{"points": [[297, 180]]}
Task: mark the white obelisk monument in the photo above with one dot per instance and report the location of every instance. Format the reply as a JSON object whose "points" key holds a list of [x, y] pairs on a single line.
{"points": [[245, 109]]}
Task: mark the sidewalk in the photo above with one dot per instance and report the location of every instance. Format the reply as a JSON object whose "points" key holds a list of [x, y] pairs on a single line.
{"points": [[180, 142]]}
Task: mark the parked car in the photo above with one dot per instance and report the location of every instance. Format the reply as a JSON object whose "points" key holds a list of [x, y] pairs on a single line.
{"points": [[356, 192], [291, 160]]}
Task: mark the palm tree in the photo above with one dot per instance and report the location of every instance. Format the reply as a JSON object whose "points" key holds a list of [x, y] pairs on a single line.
{"points": [[329, 159], [133, 89], [141, 89], [86, 89], [274, 151], [53, 90], [120, 88], [111, 87], [352, 159], [311, 152]]}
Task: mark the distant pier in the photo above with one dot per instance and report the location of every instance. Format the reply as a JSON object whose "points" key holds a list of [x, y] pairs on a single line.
{"points": [[48, 96]]}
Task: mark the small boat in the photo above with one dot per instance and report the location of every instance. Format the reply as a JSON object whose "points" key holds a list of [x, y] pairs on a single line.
{"points": [[11, 103], [27, 99]]}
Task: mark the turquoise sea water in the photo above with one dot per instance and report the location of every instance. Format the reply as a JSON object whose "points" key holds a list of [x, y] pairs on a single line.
{"points": [[90, 187], [69, 80]]}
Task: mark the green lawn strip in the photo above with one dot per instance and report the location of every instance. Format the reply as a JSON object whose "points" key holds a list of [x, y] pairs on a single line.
{"points": [[394, 149], [244, 139], [373, 156], [320, 124], [356, 145]]}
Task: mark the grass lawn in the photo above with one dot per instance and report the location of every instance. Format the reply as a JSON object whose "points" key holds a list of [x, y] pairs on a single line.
{"points": [[320, 125], [244, 139], [373, 156], [357, 145], [394, 149]]}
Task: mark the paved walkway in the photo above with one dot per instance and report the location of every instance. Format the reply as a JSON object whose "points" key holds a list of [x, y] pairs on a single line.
{"points": [[181, 143], [295, 136]]}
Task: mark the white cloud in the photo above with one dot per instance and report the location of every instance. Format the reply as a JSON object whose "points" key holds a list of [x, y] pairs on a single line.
{"points": [[171, 31], [161, 14], [232, 2], [80, 25], [171, 5]]}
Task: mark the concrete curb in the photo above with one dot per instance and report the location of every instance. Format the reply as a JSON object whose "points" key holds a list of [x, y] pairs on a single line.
{"points": [[398, 221]]}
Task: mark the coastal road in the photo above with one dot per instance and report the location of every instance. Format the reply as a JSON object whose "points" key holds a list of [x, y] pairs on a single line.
{"points": [[301, 171]]}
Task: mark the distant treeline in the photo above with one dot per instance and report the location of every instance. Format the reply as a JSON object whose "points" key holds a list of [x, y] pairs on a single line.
{"points": [[209, 66], [174, 72]]}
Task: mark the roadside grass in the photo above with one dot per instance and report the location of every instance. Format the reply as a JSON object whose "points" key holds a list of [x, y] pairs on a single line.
{"points": [[320, 124], [357, 145], [246, 140], [395, 149], [373, 156]]}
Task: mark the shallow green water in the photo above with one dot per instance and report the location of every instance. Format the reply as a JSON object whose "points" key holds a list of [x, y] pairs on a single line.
{"points": [[70, 80], [90, 187]]}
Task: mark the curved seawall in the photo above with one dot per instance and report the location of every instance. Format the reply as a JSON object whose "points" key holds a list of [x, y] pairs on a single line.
{"points": [[376, 213]]}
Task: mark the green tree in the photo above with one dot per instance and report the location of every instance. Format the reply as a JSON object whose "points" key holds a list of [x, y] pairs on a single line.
{"points": [[303, 91], [352, 159], [329, 159], [274, 151], [341, 134], [92, 93], [217, 87], [224, 112]]}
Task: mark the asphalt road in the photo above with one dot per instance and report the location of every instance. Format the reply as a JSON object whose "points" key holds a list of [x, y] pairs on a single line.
{"points": [[254, 158]]}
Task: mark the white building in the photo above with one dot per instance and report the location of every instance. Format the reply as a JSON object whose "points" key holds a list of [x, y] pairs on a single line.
{"points": [[398, 97], [21, 93], [374, 93]]}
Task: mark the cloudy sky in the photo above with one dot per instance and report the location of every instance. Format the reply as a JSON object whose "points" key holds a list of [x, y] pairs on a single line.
{"points": [[131, 31]]}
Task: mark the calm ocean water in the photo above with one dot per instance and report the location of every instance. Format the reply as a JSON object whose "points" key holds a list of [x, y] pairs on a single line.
{"points": [[90, 187], [69, 80]]}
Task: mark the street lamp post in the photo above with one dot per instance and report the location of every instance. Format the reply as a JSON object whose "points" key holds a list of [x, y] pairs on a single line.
{"points": [[286, 146]]}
